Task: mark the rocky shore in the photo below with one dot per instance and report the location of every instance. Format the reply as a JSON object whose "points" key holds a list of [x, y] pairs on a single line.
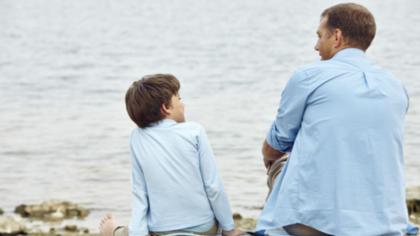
{"points": [[49, 211], [57, 211]]}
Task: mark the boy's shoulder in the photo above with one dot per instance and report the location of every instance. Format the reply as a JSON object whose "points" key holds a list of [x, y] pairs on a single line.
{"points": [[189, 130], [191, 126]]}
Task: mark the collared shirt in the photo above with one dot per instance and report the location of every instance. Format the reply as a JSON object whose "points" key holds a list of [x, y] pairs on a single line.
{"points": [[342, 122], [175, 182]]}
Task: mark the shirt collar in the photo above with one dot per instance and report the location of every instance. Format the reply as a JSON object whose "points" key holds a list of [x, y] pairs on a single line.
{"points": [[349, 52], [163, 123]]}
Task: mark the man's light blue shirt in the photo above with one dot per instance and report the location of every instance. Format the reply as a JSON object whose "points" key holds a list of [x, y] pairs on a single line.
{"points": [[175, 182], [342, 122]]}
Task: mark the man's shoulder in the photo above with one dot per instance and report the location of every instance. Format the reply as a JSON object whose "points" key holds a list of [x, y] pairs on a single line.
{"points": [[310, 72], [340, 65], [321, 67], [332, 68]]}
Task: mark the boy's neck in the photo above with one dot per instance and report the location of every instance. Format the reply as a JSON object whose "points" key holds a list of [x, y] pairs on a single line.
{"points": [[170, 118]]}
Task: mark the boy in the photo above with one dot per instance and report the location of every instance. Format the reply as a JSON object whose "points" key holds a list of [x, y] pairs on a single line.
{"points": [[176, 186]]}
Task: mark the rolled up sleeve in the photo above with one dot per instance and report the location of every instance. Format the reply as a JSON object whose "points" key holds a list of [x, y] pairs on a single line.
{"points": [[285, 127]]}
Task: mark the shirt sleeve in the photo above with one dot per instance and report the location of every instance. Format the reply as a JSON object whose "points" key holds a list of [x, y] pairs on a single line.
{"points": [[284, 129], [213, 184], [140, 204], [408, 99]]}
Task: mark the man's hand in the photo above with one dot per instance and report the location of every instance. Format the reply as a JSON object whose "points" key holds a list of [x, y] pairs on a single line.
{"points": [[270, 154]]}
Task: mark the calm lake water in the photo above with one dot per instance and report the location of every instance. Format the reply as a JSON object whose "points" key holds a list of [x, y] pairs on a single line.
{"points": [[65, 67]]}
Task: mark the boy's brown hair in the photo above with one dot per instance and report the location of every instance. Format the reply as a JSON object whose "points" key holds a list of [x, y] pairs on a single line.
{"points": [[144, 98], [355, 22]]}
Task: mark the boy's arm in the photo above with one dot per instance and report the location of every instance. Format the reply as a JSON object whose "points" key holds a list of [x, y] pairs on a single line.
{"points": [[213, 184], [140, 205]]}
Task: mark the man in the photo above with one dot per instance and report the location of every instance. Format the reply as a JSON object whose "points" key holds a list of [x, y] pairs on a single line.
{"points": [[341, 120]]}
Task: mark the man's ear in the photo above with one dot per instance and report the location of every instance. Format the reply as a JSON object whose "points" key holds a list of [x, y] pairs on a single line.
{"points": [[165, 109], [338, 38]]}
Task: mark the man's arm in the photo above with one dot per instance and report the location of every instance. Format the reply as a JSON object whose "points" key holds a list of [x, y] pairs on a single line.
{"points": [[270, 154], [282, 134]]}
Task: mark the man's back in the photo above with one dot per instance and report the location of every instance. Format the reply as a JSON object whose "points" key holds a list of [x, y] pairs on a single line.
{"points": [[342, 120]]}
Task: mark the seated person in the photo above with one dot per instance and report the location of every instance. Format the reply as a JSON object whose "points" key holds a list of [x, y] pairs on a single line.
{"points": [[176, 186]]}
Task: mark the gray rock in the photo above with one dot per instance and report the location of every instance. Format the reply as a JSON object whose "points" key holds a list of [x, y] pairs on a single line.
{"points": [[244, 223], [71, 228], [52, 211], [11, 226], [413, 201]]}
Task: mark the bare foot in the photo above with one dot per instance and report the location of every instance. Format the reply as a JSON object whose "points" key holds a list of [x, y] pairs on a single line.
{"points": [[107, 225]]}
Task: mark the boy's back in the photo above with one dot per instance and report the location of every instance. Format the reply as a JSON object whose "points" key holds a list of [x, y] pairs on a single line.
{"points": [[175, 182], [174, 172]]}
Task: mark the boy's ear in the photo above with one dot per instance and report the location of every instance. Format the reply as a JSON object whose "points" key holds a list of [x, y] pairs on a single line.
{"points": [[164, 109]]}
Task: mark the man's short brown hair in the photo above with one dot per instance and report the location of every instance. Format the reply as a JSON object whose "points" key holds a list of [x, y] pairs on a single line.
{"points": [[144, 98], [355, 22]]}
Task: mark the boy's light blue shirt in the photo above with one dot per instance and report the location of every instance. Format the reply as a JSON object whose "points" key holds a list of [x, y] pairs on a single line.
{"points": [[175, 182], [342, 120]]}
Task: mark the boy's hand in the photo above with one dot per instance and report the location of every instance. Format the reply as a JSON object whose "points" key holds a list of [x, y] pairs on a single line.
{"points": [[233, 232]]}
